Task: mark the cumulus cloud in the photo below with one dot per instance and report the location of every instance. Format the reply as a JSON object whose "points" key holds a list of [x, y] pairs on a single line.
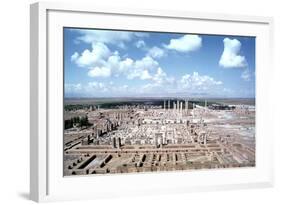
{"points": [[143, 68], [188, 84], [102, 62], [140, 44], [92, 57], [186, 43], [198, 82], [156, 52], [74, 56], [90, 36], [96, 87], [161, 78], [108, 37], [230, 57], [99, 72], [158, 84], [246, 75]]}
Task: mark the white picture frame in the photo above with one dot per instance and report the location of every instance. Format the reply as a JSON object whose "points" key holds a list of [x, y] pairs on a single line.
{"points": [[46, 179]]}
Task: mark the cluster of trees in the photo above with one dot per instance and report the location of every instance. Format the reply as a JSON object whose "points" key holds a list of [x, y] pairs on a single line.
{"points": [[76, 107], [80, 121]]}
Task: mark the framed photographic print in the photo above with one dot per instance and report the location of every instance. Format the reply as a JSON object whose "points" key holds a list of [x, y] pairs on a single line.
{"points": [[127, 102]]}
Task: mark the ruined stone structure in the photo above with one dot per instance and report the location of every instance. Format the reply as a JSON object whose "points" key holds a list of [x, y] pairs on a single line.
{"points": [[166, 138]]}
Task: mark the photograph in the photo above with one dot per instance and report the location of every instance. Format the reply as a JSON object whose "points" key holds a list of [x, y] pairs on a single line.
{"points": [[151, 101]]}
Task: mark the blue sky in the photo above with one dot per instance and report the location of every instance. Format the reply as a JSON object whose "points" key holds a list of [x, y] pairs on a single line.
{"points": [[107, 63]]}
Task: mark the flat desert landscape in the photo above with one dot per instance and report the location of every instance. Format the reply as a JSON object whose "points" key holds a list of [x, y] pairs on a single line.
{"points": [[109, 136]]}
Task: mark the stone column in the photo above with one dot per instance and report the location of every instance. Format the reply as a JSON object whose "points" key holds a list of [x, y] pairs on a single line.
{"points": [[181, 107], [168, 104]]}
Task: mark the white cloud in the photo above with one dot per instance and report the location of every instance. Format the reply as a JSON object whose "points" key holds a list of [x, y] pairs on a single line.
{"points": [[185, 43], [161, 78], [119, 66], [95, 57], [97, 87], [188, 84], [72, 88], [156, 52], [140, 44], [142, 69], [108, 37], [246, 75], [99, 72], [74, 56], [131, 69], [102, 62], [107, 89], [196, 82], [141, 34], [146, 63], [90, 36], [145, 75], [158, 84], [230, 57]]}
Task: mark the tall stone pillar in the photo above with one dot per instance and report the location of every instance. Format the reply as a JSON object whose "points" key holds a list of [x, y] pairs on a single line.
{"points": [[180, 107], [168, 104], [98, 133]]}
